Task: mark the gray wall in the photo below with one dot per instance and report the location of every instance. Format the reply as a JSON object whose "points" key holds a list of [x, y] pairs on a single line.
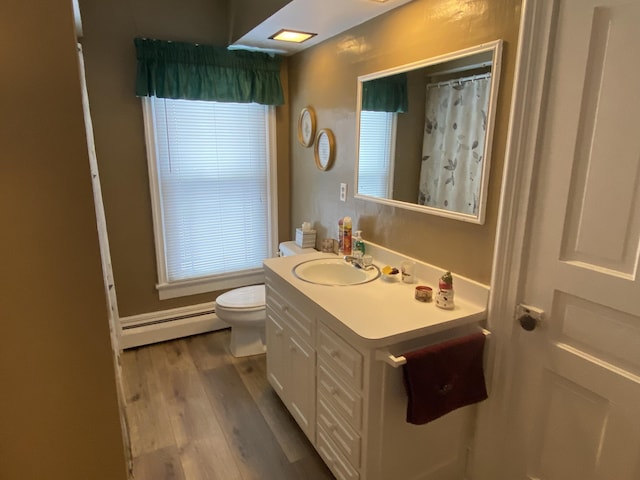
{"points": [[109, 30], [325, 77]]}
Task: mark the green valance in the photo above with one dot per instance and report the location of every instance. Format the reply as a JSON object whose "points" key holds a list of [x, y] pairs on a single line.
{"points": [[386, 94], [205, 72]]}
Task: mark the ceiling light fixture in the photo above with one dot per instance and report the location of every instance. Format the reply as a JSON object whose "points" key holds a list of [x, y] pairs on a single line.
{"points": [[292, 36]]}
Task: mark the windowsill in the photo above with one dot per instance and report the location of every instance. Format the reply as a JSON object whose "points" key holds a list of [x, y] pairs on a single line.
{"points": [[209, 284]]}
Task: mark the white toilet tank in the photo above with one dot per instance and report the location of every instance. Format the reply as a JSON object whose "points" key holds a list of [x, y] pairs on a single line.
{"points": [[288, 249]]}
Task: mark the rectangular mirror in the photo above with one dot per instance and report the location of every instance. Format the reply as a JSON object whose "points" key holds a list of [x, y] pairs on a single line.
{"points": [[425, 132]]}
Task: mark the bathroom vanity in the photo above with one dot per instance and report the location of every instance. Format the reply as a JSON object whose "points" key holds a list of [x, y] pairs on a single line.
{"points": [[330, 358]]}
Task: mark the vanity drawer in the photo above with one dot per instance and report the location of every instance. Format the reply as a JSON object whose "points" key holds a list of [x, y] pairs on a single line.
{"points": [[340, 356], [338, 465], [291, 312], [343, 399], [340, 432]]}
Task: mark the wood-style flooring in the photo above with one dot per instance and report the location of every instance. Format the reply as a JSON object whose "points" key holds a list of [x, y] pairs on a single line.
{"points": [[197, 413]]}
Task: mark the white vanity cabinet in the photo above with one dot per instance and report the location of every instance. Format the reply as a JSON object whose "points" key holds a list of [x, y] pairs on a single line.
{"points": [[339, 403], [291, 362], [362, 431], [325, 359]]}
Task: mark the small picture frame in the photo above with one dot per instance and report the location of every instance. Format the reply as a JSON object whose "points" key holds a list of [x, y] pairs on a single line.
{"points": [[324, 150], [307, 126]]}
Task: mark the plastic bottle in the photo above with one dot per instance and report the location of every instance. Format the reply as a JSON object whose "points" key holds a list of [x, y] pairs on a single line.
{"points": [[346, 240], [341, 236], [358, 243]]}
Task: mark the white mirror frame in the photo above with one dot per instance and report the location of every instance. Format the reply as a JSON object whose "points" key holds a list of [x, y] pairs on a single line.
{"points": [[496, 48]]}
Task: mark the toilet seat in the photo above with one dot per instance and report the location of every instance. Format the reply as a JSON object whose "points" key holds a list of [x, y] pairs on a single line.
{"points": [[244, 310], [243, 307], [244, 298]]}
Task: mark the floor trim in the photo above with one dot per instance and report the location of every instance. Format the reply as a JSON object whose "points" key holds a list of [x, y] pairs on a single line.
{"points": [[153, 327]]}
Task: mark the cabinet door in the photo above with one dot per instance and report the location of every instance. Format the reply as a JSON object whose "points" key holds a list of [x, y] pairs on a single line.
{"points": [[277, 356], [302, 387]]}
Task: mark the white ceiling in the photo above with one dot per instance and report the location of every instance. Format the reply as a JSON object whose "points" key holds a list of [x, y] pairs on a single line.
{"points": [[327, 18]]}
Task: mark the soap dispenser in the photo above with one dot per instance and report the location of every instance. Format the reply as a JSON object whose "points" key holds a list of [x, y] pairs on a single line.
{"points": [[358, 243]]}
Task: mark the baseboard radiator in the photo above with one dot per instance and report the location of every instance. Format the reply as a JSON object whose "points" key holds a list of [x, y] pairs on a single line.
{"points": [[153, 327]]}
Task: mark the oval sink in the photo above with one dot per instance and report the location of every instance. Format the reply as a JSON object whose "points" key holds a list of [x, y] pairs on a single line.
{"points": [[334, 271]]}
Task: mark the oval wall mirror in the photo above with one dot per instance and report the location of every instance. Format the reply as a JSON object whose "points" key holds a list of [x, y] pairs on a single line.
{"points": [[306, 126], [425, 131], [324, 149]]}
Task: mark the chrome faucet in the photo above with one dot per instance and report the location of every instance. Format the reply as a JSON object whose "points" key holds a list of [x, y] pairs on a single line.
{"points": [[354, 260], [358, 261]]}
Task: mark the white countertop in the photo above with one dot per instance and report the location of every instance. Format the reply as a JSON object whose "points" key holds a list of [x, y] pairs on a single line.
{"points": [[381, 312]]}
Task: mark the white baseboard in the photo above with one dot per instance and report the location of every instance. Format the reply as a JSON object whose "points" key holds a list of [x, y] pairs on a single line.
{"points": [[147, 328]]}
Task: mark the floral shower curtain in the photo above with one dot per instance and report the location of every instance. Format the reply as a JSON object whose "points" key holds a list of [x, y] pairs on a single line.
{"points": [[453, 144]]}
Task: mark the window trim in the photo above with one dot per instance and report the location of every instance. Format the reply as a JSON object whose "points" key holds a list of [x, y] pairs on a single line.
{"points": [[392, 155], [211, 283]]}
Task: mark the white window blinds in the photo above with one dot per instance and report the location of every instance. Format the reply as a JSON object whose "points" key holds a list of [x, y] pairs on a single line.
{"points": [[212, 174], [375, 159]]}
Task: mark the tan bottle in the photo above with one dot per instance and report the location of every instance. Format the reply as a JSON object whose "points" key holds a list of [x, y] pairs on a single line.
{"points": [[346, 235]]}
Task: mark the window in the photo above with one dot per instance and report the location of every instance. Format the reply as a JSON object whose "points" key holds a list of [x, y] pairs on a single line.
{"points": [[377, 150], [212, 177]]}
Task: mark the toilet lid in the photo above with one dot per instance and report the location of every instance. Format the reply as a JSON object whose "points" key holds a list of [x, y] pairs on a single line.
{"points": [[245, 297]]}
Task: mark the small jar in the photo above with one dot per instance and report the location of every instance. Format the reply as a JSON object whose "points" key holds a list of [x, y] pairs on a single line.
{"points": [[423, 293]]}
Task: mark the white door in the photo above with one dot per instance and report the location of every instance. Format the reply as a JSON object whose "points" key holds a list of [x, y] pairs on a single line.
{"points": [[575, 408]]}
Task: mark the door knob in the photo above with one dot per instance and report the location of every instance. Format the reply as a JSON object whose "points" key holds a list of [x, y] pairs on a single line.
{"points": [[528, 322], [529, 317]]}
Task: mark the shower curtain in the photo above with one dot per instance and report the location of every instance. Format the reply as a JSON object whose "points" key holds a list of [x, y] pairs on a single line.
{"points": [[453, 144]]}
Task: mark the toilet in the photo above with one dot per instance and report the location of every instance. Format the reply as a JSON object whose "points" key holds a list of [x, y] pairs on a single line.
{"points": [[244, 309]]}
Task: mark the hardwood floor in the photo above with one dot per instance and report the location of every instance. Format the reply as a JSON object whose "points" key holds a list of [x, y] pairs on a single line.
{"points": [[197, 413]]}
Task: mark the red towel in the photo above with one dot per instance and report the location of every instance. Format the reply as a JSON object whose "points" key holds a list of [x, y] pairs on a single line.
{"points": [[443, 377]]}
